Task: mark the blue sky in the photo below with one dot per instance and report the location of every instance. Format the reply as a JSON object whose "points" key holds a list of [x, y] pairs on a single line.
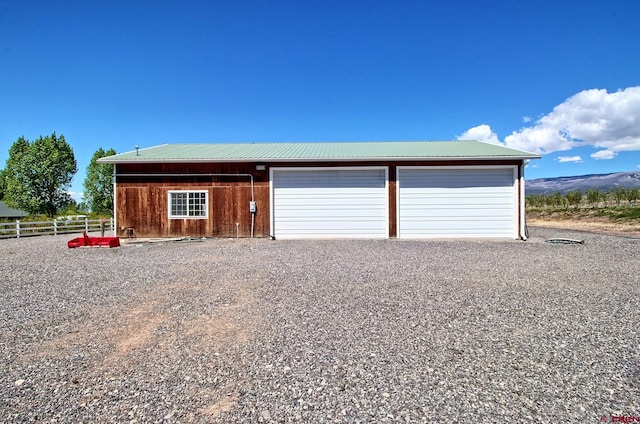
{"points": [[561, 78]]}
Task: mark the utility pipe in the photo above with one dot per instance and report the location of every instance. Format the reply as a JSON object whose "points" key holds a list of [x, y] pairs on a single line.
{"points": [[115, 203], [523, 225]]}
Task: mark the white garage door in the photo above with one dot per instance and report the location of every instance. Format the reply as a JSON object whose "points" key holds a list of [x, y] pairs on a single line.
{"points": [[457, 202], [329, 203]]}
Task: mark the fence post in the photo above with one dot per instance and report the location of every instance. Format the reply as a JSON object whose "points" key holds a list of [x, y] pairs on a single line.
{"points": [[55, 226], [86, 224], [111, 226], [17, 228]]}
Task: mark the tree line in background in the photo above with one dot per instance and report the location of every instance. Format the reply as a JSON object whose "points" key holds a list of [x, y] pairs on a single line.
{"points": [[617, 196], [37, 177]]}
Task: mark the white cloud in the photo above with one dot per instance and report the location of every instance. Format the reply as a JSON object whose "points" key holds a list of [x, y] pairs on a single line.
{"points": [[609, 121], [563, 159], [76, 195], [603, 154], [606, 121], [481, 133]]}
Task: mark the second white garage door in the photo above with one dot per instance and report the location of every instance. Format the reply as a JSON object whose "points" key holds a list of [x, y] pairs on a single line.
{"points": [[442, 202], [329, 203]]}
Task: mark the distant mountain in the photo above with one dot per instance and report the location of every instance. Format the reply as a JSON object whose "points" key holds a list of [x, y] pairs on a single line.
{"points": [[600, 182]]}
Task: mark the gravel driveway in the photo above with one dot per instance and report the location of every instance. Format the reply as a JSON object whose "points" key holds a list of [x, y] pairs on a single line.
{"points": [[321, 331]]}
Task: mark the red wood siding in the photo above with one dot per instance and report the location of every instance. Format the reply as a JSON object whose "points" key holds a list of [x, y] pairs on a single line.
{"points": [[142, 201]]}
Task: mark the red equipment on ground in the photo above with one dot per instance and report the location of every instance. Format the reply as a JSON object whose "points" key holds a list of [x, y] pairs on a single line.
{"points": [[94, 241]]}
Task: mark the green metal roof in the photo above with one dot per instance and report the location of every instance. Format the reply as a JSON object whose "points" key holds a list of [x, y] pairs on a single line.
{"points": [[314, 152], [8, 212]]}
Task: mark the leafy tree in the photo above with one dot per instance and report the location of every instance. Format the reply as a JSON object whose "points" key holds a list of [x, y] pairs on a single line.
{"points": [[593, 197], [98, 186], [619, 194], [558, 199], [70, 209], [532, 200], [39, 173], [545, 200], [574, 198], [632, 195], [83, 207], [3, 183]]}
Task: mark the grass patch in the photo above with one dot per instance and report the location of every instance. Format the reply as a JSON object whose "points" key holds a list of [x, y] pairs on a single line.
{"points": [[613, 213], [620, 213]]}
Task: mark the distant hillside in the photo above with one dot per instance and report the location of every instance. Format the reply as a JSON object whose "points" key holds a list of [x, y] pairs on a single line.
{"points": [[600, 182]]}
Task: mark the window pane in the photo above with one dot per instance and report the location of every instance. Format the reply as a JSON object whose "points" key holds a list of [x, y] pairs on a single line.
{"points": [[179, 204], [197, 204]]}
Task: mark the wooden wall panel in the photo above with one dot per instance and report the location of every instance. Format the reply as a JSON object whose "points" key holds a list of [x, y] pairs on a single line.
{"points": [[223, 215], [144, 207]]}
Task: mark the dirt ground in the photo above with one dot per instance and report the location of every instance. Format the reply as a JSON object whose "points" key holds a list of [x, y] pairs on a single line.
{"points": [[591, 224]]}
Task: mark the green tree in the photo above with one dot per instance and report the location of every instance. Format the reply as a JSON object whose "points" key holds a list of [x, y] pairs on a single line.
{"points": [[70, 209], [574, 198], [558, 200], [39, 173], [83, 207], [633, 194], [545, 201], [593, 197], [98, 186], [619, 194], [3, 183], [532, 201]]}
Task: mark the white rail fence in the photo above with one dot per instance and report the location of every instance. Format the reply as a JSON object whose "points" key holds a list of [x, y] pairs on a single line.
{"points": [[19, 229]]}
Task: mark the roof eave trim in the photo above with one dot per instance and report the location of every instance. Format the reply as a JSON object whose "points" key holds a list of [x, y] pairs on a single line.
{"points": [[359, 159]]}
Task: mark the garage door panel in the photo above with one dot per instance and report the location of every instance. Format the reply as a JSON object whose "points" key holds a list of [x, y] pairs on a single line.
{"points": [[463, 179], [457, 190], [461, 227], [446, 233], [330, 203], [360, 191], [329, 198], [306, 180], [325, 234], [456, 202], [447, 202], [329, 225], [302, 215], [446, 214]]}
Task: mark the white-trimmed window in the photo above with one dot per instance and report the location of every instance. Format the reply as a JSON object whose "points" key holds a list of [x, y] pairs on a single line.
{"points": [[188, 204]]}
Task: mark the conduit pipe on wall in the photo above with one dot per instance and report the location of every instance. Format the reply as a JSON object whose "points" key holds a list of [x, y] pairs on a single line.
{"points": [[115, 203], [253, 214], [522, 205]]}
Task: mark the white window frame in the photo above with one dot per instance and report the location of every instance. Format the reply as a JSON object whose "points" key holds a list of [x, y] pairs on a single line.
{"points": [[187, 192]]}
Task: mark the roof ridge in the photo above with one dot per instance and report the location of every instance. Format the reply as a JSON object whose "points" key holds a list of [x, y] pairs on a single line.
{"points": [[321, 151]]}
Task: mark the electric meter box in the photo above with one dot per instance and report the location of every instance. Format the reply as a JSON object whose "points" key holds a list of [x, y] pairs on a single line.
{"points": [[252, 207]]}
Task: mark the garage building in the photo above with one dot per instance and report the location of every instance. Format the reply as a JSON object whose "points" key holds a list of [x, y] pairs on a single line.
{"points": [[373, 190]]}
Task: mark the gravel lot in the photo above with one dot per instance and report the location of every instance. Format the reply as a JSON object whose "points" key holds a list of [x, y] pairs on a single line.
{"points": [[321, 331]]}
